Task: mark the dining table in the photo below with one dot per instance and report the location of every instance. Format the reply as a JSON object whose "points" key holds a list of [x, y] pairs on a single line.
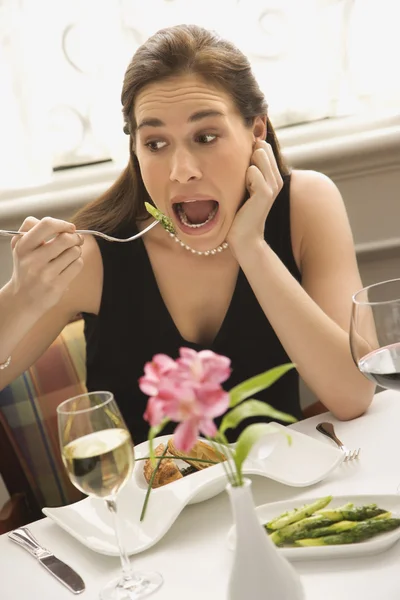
{"points": [[193, 556]]}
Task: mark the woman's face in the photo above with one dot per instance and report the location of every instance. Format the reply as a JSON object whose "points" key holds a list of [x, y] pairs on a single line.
{"points": [[193, 150]]}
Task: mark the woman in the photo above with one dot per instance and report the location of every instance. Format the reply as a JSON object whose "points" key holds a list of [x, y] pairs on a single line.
{"points": [[265, 268]]}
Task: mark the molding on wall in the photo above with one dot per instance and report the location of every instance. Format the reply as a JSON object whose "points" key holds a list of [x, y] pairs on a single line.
{"points": [[342, 149], [66, 191], [349, 156], [53, 202], [378, 250]]}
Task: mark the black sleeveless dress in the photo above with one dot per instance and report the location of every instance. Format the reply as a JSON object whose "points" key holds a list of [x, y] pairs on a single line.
{"points": [[133, 324]]}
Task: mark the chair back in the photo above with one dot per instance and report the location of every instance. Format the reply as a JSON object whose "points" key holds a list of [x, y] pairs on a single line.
{"points": [[29, 419]]}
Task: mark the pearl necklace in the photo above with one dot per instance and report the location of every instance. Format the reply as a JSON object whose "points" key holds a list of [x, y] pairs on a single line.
{"points": [[220, 248]]}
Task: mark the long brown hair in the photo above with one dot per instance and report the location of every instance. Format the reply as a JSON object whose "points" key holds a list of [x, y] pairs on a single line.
{"points": [[179, 50]]}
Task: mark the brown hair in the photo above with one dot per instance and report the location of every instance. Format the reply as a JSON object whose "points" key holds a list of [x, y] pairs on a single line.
{"points": [[183, 49]]}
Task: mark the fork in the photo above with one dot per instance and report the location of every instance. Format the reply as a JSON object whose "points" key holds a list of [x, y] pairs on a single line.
{"points": [[328, 430], [109, 238]]}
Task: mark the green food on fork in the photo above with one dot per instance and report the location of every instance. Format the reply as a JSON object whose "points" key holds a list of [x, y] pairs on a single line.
{"points": [[163, 219]]}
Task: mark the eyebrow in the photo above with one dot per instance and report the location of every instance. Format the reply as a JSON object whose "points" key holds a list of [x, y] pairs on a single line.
{"points": [[197, 116]]}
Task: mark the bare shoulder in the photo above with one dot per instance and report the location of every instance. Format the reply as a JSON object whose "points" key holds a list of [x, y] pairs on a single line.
{"points": [[323, 244], [311, 189], [318, 213], [85, 292]]}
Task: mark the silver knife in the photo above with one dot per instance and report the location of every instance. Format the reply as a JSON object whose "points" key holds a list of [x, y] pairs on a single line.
{"points": [[57, 567]]}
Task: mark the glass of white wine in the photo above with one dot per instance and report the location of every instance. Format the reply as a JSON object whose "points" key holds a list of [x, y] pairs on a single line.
{"points": [[98, 453]]}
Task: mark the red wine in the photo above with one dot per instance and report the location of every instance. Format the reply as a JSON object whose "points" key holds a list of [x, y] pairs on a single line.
{"points": [[383, 366]]}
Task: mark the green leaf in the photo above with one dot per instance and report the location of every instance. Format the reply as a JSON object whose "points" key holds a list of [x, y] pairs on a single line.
{"points": [[257, 383], [252, 408], [246, 441], [150, 484]]}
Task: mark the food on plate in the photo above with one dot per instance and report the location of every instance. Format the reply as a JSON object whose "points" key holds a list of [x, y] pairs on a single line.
{"points": [[167, 470], [354, 532], [292, 516], [201, 451], [314, 525]]}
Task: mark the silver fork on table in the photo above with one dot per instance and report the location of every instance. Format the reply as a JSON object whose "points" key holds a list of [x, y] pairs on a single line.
{"points": [[109, 238], [328, 430]]}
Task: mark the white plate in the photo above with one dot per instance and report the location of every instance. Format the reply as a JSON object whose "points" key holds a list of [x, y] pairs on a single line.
{"points": [[377, 544], [303, 463]]}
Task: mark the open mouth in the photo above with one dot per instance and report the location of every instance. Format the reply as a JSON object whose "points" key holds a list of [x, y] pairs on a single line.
{"points": [[196, 216]]}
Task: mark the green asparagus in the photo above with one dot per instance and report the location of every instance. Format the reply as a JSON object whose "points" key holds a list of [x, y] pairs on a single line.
{"points": [[359, 513], [333, 529], [297, 530], [298, 513], [358, 533], [346, 506], [315, 525], [342, 526], [384, 515], [157, 214]]}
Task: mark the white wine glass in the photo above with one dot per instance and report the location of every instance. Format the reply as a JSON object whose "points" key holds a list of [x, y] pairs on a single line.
{"points": [[375, 332], [98, 454]]}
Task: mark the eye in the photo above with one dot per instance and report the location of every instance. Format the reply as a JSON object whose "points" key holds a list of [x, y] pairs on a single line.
{"points": [[155, 145], [206, 138]]}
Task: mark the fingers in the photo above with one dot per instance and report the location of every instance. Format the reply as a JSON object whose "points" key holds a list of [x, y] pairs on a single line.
{"points": [[48, 248], [254, 179], [26, 226], [29, 223], [51, 278], [63, 261], [58, 245], [274, 166], [40, 232], [47, 258], [263, 158], [69, 274]]}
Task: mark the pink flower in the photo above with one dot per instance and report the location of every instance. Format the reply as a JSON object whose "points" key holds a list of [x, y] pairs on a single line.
{"points": [[154, 412], [204, 366], [165, 391], [187, 391], [187, 432], [154, 371]]}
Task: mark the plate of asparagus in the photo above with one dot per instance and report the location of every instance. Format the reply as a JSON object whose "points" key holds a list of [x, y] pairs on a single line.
{"points": [[331, 526]]}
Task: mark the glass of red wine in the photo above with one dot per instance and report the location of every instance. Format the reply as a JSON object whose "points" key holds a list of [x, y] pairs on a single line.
{"points": [[375, 332]]}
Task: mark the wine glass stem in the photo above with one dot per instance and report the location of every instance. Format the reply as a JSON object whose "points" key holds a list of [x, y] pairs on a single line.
{"points": [[125, 562]]}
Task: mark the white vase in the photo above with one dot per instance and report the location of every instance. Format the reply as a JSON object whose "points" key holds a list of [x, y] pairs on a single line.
{"points": [[259, 571]]}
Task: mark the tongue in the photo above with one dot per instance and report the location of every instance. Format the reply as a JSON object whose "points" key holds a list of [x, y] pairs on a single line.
{"points": [[197, 212]]}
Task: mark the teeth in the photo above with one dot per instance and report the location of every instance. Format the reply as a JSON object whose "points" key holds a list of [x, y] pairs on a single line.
{"points": [[184, 220]]}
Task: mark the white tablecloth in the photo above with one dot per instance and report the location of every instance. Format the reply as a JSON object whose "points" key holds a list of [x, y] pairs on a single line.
{"points": [[193, 556]]}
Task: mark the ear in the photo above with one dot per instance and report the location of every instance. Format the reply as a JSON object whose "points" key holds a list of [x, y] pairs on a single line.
{"points": [[260, 127]]}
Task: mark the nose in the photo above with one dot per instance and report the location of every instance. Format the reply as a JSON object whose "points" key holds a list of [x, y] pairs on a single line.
{"points": [[184, 166]]}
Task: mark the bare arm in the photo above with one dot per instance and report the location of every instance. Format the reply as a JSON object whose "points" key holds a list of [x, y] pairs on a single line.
{"points": [[312, 320], [51, 282]]}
